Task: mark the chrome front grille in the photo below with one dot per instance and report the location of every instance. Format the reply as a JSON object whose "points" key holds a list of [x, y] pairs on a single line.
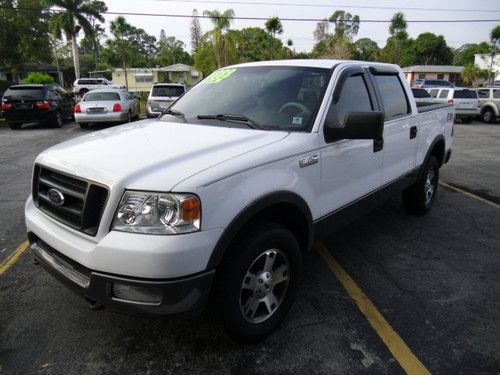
{"points": [[82, 202]]}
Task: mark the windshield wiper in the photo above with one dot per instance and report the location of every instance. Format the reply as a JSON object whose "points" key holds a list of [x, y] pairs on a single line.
{"points": [[228, 117], [175, 113]]}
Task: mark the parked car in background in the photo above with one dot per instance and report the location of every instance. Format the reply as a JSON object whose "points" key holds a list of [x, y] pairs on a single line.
{"points": [[465, 101], [489, 99], [84, 85], [422, 97], [162, 95], [106, 105], [49, 103], [426, 83]]}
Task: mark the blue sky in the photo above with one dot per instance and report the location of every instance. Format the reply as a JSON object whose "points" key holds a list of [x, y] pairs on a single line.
{"points": [[302, 32]]}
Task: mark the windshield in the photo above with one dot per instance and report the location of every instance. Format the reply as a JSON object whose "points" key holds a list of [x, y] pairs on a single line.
{"points": [[273, 97], [465, 94], [100, 96], [25, 92], [167, 91]]}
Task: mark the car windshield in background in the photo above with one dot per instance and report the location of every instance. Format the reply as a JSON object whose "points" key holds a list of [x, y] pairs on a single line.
{"points": [[420, 93], [168, 91], [271, 97], [465, 94], [25, 92], [101, 96]]}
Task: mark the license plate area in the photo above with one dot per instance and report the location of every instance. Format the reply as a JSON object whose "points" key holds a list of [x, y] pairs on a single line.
{"points": [[96, 110]]}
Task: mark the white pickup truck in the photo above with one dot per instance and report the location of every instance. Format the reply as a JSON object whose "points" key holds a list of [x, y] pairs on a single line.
{"points": [[219, 197]]}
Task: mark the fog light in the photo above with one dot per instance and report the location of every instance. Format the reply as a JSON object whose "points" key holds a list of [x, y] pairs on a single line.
{"points": [[135, 293]]}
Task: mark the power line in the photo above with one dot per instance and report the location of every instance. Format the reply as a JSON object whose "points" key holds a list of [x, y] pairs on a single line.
{"points": [[262, 18], [312, 5]]}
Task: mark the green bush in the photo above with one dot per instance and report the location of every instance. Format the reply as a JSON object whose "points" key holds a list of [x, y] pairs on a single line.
{"points": [[4, 85], [38, 78]]}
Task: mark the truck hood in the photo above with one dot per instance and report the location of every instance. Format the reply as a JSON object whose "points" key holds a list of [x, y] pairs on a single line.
{"points": [[153, 154]]}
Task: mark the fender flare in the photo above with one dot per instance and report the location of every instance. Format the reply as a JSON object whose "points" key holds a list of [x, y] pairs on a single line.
{"points": [[253, 209], [439, 138]]}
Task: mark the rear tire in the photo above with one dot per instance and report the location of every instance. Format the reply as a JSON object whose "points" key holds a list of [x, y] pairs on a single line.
{"points": [[257, 283], [488, 116], [58, 120], [15, 126], [419, 198]]}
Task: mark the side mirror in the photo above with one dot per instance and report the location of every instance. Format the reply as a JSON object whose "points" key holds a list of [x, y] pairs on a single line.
{"points": [[357, 125]]}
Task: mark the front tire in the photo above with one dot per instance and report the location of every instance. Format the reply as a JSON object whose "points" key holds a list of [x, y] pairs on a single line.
{"points": [[258, 282], [419, 198]]}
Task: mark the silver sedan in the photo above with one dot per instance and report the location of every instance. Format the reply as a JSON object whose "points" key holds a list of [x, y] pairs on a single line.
{"points": [[106, 105]]}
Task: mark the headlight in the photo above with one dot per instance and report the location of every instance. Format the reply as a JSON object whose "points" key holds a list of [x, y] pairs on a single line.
{"points": [[158, 213]]}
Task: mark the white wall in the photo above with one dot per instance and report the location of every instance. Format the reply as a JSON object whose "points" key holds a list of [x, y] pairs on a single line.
{"points": [[483, 61]]}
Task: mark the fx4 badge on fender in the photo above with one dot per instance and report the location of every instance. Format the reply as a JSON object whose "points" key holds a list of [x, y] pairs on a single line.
{"points": [[308, 161]]}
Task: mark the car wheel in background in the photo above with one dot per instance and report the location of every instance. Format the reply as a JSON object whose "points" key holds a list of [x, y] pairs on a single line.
{"points": [[58, 120], [488, 116], [82, 92], [15, 126], [257, 283]]}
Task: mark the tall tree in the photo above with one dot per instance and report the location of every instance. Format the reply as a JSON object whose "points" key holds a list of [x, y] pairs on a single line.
{"points": [[398, 23], [172, 52], [432, 49], [273, 27], [70, 17], [345, 23], [494, 50], [196, 33], [366, 49], [397, 49], [465, 54], [222, 44]]}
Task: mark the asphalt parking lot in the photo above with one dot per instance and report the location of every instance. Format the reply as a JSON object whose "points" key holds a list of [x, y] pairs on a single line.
{"points": [[435, 280]]}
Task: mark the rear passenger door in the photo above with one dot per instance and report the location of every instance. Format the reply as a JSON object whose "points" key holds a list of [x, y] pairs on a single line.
{"points": [[400, 129]]}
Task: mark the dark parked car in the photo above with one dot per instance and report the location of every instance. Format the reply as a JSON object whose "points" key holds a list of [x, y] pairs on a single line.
{"points": [[426, 83], [22, 104]]}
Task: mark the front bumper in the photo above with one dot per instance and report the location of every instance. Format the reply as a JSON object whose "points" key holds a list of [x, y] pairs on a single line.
{"points": [[178, 296], [27, 117]]}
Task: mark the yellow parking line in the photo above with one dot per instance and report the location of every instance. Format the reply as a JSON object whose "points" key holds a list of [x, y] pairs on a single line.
{"points": [[493, 204], [11, 260], [401, 352], [72, 129]]}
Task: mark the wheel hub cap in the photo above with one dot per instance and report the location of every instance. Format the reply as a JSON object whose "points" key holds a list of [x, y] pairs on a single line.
{"points": [[429, 186]]}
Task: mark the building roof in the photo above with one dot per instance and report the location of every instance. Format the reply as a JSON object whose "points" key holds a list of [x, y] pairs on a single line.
{"points": [[34, 67], [433, 69], [177, 68]]}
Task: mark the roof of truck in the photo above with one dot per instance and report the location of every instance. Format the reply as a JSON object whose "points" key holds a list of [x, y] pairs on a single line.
{"points": [[312, 63]]}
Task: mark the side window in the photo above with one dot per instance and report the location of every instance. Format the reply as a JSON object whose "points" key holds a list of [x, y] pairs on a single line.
{"points": [[354, 97], [434, 92], [484, 94], [53, 94], [440, 76], [393, 96], [496, 94], [443, 94]]}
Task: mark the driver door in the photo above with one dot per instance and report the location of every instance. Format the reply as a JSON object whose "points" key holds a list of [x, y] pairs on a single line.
{"points": [[350, 168]]}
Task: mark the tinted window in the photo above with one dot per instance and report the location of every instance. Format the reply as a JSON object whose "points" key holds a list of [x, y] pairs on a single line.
{"points": [[354, 97], [496, 94], [98, 96], [420, 93], [418, 82], [465, 94], [434, 92], [437, 83], [83, 82], [25, 92], [483, 93], [168, 91], [54, 94], [443, 94], [393, 96]]}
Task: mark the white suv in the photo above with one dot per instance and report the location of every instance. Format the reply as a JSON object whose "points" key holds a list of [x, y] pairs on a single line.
{"points": [[84, 85], [162, 95], [465, 101]]}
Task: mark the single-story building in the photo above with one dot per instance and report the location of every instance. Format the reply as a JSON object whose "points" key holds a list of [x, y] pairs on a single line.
{"points": [[27, 68], [449, 73], [483, 61], [142, 79]]}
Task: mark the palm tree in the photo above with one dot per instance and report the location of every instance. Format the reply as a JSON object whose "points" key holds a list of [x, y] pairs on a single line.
{"points": [[273, 27], [70, 17], [221, 22]]}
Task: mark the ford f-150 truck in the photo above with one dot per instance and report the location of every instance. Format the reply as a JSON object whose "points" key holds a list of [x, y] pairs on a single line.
{"points": [[218, 199]]}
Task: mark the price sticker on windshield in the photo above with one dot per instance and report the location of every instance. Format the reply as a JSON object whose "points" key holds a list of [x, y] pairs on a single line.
{"points": [[219, 75]]}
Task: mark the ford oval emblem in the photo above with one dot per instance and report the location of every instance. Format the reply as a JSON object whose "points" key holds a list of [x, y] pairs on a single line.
{"points": [[56, 197]]}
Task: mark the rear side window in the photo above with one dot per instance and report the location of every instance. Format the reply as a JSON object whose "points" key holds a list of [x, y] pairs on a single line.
{"points": [[484, 94], [83, 81], [465, 94], [354, 97], [25, 92], [393, 96], [496, 94], [443, 94], [168, 91], [101, 96], [434, 92], [420, 93]]}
